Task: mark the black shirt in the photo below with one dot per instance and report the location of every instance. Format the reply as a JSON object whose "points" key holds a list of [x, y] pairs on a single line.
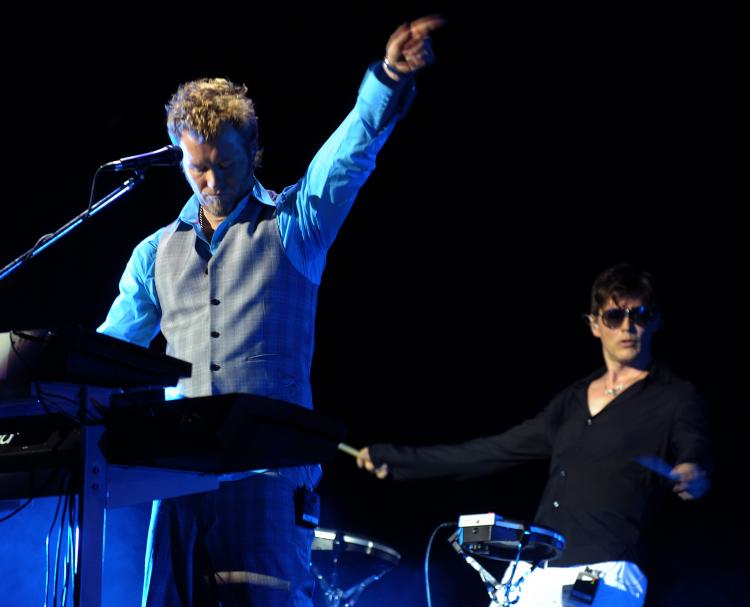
{"points": [[597, 495]]}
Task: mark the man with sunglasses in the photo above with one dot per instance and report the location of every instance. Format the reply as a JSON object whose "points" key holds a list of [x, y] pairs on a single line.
{"points": [[608, 437]]}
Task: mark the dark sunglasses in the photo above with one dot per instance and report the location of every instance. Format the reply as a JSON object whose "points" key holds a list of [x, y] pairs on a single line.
{"points": [[614, 317]]}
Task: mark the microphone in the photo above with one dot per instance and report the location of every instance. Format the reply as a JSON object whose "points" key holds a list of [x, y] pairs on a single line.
{"points": [[168, 156]]}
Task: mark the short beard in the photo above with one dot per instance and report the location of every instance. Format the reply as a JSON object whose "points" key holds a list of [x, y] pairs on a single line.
{"points": [[215, 206]]}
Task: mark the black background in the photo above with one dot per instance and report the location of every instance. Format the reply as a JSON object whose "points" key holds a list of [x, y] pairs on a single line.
{"points": [[543, 147]]}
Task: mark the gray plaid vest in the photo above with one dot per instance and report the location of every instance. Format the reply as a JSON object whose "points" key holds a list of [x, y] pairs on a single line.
{"points": [[244, 317]]}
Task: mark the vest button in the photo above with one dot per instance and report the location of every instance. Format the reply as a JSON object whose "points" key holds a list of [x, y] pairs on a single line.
{"points": [[215, 302], [215, 367], [215, 334], [206, 270]]}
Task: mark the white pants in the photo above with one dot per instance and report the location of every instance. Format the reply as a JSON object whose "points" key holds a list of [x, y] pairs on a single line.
{"points": [[622, 584]]}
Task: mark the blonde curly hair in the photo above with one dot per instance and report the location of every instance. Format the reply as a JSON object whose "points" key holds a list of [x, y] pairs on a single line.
{"points": [[202, 107]]}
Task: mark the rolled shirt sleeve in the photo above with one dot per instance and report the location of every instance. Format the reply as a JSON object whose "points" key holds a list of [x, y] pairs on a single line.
{"points": [[135, 314]]}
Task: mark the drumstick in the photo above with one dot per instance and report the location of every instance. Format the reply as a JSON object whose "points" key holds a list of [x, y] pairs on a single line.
{"points": [[657, 465], [348, 449]]}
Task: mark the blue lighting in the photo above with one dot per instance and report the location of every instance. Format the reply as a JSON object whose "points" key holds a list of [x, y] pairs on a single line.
{"points": [[22, 554]]}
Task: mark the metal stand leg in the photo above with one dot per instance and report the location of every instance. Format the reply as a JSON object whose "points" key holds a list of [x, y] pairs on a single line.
{"points": [[91, 518], [88, 537], [497, 592], [335, 596]]}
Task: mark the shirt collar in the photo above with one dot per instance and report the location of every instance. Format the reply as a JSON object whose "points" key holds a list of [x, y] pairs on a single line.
{"points": [[657, 373], [189, 213]]}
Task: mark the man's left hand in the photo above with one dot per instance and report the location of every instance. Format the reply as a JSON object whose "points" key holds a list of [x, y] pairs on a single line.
{"points": [[691, 481], [409, 48]]}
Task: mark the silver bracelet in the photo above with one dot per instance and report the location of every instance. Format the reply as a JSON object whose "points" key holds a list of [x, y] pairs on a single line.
{"points": [[392, 68]]}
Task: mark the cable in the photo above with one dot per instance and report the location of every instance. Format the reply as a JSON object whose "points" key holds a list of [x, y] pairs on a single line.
{"points": [[46, 550], [427, 559], [57, 552], [91, 194], [33, 497], [17, 510], [69, 566], [66, 501], [46, 546]]}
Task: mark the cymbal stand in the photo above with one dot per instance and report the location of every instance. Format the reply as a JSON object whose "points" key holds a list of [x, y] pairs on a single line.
{"points": [[339, 597]]}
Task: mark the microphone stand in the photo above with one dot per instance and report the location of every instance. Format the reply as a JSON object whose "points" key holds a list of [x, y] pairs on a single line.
{"points": [[49, 239]]}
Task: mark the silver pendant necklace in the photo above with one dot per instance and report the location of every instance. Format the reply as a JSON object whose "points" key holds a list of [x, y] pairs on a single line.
{"points": [[614, 390]]}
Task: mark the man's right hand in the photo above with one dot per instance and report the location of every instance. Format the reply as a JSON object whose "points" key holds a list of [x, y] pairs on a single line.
{"points": [[365, 462]]}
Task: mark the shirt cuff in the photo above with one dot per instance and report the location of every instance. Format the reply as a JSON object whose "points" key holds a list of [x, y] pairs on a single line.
{"points": [[379, 71], [389, 99]]}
